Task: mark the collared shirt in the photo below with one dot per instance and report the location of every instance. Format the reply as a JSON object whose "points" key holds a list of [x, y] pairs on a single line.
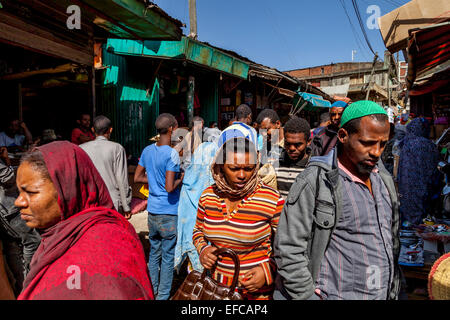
{"points": [[111, 162], [358, 263], [287, 171]]}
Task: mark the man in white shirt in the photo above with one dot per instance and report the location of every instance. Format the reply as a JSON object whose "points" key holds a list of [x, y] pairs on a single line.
{"points": [[12, 136], [111, 162]]}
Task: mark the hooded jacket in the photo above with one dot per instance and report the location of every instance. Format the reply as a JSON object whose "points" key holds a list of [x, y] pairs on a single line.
{"points": [[307, 222]]}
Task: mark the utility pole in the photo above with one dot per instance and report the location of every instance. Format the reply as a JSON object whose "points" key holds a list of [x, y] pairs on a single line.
{"points": [[353, 55], [371, 74], [193, 19]]}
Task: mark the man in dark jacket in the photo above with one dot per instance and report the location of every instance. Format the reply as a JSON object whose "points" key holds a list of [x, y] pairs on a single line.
{"points": [[326, 139], [19, 241], [337, 236]]}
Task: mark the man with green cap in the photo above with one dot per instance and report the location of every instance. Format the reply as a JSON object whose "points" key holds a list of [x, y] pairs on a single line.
{"points": [[337, 236]]}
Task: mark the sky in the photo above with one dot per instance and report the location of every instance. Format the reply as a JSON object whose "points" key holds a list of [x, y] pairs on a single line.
{"points": [[287, 34]]}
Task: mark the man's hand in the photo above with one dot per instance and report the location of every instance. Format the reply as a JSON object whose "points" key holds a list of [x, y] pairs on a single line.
{"points": [[253, 279], [208, 258]]}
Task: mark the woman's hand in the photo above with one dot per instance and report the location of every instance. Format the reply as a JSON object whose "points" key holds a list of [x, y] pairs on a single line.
{"points": [[253, 279], [208, 258]]}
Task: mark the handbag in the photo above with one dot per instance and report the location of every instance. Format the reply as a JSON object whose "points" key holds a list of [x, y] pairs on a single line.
{"points": [[199, 286]]}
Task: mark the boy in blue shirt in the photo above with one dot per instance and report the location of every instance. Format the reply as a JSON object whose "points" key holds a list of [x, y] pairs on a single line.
{"points": [[162, 165]]}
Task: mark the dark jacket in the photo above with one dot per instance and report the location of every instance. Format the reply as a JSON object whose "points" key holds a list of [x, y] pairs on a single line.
{"points": [[323, 142], [8, 194], [307, 222]]}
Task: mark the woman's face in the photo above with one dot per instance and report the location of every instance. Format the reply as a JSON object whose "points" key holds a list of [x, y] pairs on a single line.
{"points": [[38, 198], [238, 169]]}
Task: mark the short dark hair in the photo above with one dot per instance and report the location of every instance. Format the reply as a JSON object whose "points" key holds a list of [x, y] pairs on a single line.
{"points": [[36, 160], [268, 113], [297, 125], [164, 122], [353, 125], [324, 117], [243, 111], [101, 125]]}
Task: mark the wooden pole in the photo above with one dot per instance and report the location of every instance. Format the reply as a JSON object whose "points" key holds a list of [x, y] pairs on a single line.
{"points": [[193, 19], [371, 74], [94, 110], [190, 99], [20, 101]]}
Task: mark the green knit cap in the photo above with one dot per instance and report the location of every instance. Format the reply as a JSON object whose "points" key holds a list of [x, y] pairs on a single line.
{"points": [[361, 109]]}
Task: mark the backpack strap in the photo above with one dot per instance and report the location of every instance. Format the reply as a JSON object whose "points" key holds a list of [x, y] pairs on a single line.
{"points": [[313, 229]]}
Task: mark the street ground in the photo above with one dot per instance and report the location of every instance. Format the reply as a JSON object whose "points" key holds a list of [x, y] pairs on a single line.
{"points": [[140, 224]]}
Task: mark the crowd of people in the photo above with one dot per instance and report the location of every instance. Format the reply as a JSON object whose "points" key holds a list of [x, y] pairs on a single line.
{"points": [[312, 213]]}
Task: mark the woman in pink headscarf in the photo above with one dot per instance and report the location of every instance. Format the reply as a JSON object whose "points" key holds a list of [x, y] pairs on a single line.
{"points": [[88, 250]]}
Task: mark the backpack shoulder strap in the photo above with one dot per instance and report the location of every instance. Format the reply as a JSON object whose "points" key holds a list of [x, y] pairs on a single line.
{"points": [[313, 228]]}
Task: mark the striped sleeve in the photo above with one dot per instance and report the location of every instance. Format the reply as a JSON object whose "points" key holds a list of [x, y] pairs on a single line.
{"points": [[269, 267], [198, 237]]}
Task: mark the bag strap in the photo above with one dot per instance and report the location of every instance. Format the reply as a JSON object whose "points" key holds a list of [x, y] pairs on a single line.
{"points": [[237, 266], [314, 212]]}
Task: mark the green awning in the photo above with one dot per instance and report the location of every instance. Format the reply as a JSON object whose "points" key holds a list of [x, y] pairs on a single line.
{"points": [[186, 49], [310, 102], [130, 19]]}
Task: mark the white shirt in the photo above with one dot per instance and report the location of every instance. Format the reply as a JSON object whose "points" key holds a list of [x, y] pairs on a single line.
{"points": [[6, 141]]}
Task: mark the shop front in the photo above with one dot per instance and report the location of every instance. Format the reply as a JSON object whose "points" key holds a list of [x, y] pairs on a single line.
{"points": [[47, 65], [153, 77]]}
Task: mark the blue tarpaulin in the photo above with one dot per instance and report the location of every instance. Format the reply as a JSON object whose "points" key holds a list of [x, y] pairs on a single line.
{"points": [[314, 102]]}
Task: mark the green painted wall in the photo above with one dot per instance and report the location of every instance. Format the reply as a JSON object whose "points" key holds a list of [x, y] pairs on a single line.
{"points": [[124, 98]]}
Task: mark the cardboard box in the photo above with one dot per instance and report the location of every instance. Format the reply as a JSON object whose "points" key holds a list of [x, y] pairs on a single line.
{"points": [[135, 187], [395, 25]]}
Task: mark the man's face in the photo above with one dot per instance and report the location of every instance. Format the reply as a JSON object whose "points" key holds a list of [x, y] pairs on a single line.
{"points": [[266, 124], [14, 127], [365, 147], [335, 116], [295, 145], [249, 120], [85, 121]]}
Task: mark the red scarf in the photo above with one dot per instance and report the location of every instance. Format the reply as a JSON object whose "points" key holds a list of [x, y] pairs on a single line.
{"points": [[85, 203]]}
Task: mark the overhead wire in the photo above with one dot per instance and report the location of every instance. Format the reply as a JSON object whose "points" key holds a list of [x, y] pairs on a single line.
{"points": [[277, 33], [361, 24], [357, 38]]}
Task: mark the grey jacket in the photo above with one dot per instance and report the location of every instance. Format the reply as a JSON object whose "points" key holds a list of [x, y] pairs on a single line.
{"points": [[307, 222], [111, 162]]}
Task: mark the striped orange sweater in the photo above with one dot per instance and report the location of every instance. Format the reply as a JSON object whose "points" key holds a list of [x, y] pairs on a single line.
{"points": [[248, 231]]}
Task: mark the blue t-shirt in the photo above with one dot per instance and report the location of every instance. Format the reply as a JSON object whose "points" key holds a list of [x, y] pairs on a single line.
{"points": [[157, 160]]}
